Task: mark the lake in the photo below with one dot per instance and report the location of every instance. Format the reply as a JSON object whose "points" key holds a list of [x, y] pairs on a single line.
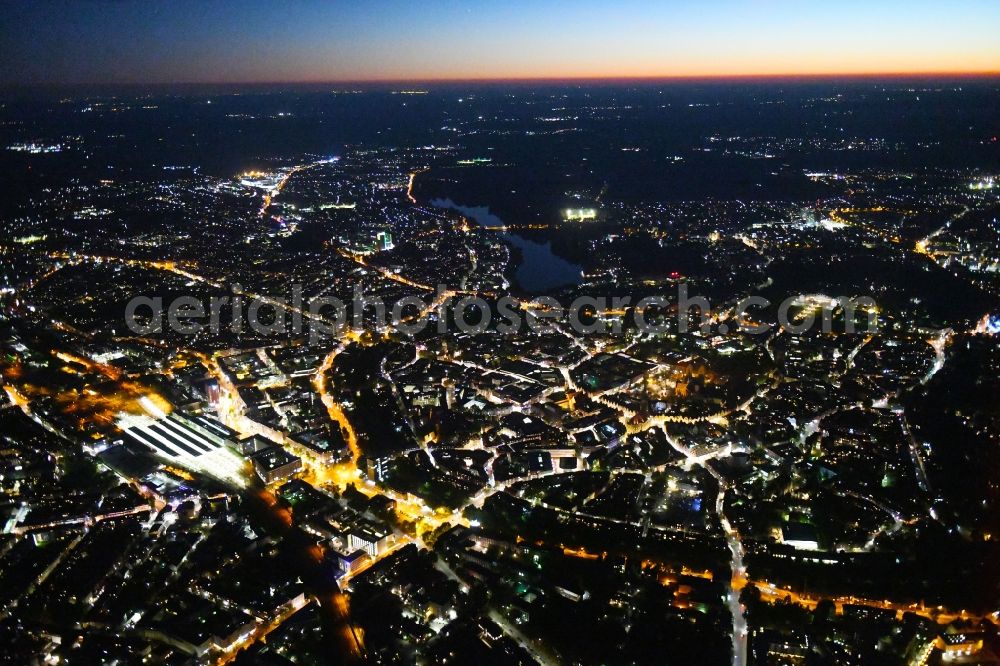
{"points": [[540, 269]]}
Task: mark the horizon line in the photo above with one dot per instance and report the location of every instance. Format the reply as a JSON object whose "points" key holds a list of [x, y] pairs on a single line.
{"points": [[541, 79]]}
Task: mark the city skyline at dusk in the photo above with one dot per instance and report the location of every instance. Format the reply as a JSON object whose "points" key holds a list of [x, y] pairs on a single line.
{"points": [[375, 333]]}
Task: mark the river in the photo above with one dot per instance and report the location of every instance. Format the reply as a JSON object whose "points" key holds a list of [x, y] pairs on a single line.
{"points": [[540, 269]]}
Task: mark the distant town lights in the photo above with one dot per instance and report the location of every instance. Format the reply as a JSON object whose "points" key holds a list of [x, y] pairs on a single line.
{"points": [[579, 214]]}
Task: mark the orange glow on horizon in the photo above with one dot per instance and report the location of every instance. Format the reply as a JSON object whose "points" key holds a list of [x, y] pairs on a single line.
{"points": [[992, 71], [319, 42]]}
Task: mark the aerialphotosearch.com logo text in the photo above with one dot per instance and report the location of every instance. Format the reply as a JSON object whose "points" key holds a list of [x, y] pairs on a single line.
{"points": [[327, 317]]}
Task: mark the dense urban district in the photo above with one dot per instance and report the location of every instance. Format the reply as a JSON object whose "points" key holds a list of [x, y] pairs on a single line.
{"points": [[578, 489]]}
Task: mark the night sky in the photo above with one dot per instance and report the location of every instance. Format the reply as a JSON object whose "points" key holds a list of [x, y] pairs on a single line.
{"points": [[148, 41]]}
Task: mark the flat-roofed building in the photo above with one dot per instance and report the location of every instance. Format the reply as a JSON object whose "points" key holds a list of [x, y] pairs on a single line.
{"points": [[275, 464], [353, 561], [370, 539]]}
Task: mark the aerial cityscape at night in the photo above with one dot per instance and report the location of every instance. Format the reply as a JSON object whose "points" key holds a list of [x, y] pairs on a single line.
{"points": [[451, 333]]}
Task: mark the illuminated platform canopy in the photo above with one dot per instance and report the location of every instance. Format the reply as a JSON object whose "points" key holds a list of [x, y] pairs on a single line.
{"points": [[193, 443]]}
